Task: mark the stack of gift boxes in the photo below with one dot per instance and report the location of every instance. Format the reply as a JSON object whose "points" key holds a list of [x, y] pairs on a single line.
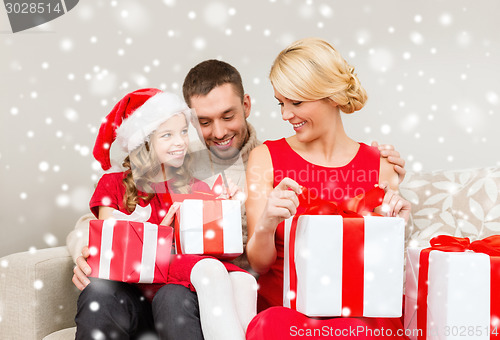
{"points": [[341, 263], [348, 265], [139, 252]]}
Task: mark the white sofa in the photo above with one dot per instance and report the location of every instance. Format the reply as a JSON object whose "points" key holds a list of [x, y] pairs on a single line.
{"points": [[38, 299]]}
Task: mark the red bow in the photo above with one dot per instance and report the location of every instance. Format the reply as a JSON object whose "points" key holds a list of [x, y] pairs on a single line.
{"points": [[489, 245], [357, 206], [212, 194]]}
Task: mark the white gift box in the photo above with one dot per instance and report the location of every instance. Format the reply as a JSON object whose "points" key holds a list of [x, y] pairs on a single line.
{"points": [[318, 263], [458, 299], [194, 238]]}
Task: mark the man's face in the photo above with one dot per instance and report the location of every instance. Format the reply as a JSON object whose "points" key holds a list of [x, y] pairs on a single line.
{"points": [[222, 118]]}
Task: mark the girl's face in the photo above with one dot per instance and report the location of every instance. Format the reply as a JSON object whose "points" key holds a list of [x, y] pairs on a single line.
{"points": [[171, 141], [310, 119]]}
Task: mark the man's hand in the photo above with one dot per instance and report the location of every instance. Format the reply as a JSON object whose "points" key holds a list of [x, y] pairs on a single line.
{"points": [[82, 270], [388, 151]]}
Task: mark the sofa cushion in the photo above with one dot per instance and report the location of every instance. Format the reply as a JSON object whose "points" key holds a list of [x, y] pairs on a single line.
{"points": [[462, 203]]}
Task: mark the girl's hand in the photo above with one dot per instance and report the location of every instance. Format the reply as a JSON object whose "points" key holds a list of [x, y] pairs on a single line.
{"points": [[232, 191], [169, 217], [281, 204], [394, 205]]}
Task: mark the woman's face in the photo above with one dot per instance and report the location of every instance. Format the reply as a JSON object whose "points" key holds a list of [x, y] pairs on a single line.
{"points": [[310, 119], [171, 141]]}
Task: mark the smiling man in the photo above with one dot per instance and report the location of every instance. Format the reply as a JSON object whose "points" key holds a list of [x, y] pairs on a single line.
{"points": [[215, 90], [222, 115]]}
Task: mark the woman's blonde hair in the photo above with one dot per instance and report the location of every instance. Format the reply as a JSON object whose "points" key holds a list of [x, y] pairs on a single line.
{"points": [[143, 166], [312, 69]]}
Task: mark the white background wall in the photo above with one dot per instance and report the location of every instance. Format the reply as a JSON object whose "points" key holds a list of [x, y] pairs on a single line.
{"points": [[431, 69]]}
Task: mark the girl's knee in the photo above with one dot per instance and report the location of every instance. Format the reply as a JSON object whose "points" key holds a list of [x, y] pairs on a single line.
{"points": [[207, 270]]}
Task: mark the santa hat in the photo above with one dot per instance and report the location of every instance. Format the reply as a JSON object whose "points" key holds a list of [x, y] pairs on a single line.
{"points": [[134, 118]]}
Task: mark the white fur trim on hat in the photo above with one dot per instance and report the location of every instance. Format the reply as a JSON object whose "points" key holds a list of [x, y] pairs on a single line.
{"points": [[136, 129]]}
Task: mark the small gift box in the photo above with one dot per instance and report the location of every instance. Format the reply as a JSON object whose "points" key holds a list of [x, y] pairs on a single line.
{"points": [[345, 264], [209, 227], [453, 289], [135, 252]]}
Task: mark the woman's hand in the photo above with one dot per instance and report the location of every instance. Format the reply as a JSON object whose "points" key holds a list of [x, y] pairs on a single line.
{"points": [[169, 217], [281, 204], [266, 207], [394, 205]]}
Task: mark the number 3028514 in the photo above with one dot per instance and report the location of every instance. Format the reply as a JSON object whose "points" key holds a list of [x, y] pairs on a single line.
{"points": [[32, 8], [469, 331]]}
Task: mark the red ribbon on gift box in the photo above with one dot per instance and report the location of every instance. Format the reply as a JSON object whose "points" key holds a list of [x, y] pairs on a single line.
{"points": [[352, 210], [489, 246]]}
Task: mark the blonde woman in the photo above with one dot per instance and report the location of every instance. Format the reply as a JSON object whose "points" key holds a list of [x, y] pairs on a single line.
{"points": [[313, 84]]}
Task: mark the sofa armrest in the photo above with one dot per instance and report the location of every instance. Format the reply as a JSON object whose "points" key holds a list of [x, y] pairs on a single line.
{"points": [[37, 296]]}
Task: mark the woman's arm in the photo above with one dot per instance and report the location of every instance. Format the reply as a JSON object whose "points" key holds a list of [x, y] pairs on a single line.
{"points": [[266, 208]]}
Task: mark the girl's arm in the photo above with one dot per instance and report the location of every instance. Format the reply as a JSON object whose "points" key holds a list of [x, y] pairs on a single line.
{"points": [[393, 204], [266, 208], [105, 212]]}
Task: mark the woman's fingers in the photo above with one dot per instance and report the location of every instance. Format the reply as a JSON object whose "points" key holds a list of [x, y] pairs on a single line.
{"points": [[394, 205], [288, 195], [288, 183], [279, 203], [403, 210], [282, 202], [389, 201], [398, 206]]}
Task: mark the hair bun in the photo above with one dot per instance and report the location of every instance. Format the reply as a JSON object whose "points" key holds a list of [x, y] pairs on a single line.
{"points": [[355, 94]]}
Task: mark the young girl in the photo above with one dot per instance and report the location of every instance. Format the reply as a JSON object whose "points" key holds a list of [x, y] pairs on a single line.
{"points": [[152, 126]]}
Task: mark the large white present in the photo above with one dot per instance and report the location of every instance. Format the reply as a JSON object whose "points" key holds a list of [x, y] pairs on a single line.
{"points": [[351, 266]]}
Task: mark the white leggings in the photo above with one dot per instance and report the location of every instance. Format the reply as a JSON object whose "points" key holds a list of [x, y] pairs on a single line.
{"points": [[227, 301]]}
